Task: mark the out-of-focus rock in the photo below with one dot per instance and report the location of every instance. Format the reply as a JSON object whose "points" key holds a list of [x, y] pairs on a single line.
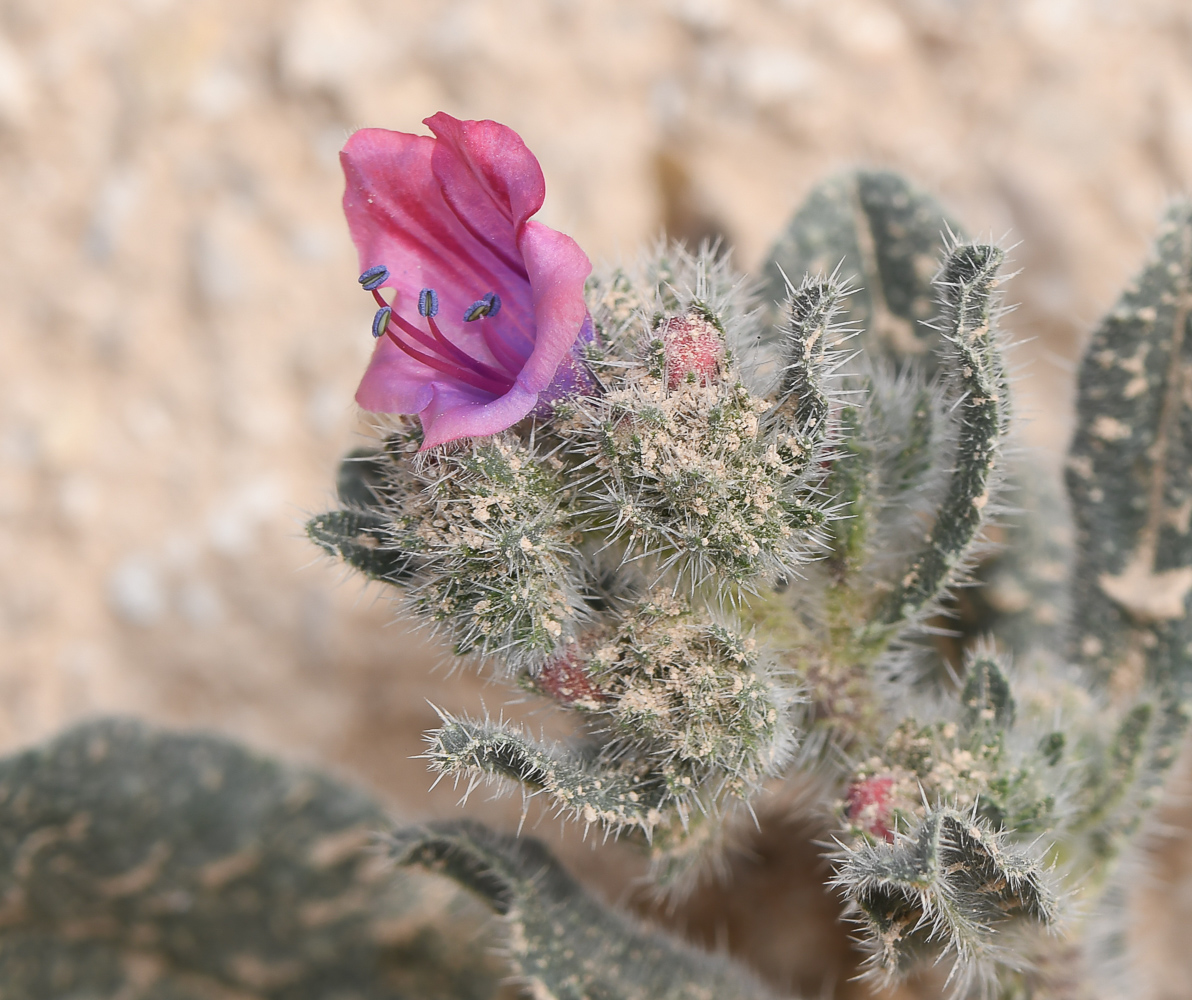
{"points": [[331, 45], [16, 87]]}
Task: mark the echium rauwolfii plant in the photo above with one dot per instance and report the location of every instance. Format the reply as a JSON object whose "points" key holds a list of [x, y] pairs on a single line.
{"points": [[721, 524]]}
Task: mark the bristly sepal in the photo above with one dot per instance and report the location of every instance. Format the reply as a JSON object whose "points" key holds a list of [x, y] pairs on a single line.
{"points": [[682, 463], [689, 710], [950, 891], [695, 696], [971, 757], [491, 526]]}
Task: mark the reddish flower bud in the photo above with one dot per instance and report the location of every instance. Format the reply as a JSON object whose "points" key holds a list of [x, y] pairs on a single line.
{"points": [[567, 680], [693, 347], [867, 806]]}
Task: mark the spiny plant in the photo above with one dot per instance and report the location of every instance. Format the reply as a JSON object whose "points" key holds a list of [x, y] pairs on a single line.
{"points": [[747, 547], [735, 535]]}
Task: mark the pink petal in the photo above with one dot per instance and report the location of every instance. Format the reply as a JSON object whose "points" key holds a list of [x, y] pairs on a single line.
{"points": [[453, 414], [490, 179], [394, 382], [572, 377], [557, 269], [398, 217]]}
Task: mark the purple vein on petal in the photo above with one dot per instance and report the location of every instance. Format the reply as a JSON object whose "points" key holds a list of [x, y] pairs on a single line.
{"points": [[516, 266], [464, 358], [500, 348], [437, 244]]}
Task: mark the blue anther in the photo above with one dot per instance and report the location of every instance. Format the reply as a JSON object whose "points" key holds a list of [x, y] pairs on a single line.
{"points": [[428, 302], [490, 305], [374, 277], [381, 321]]}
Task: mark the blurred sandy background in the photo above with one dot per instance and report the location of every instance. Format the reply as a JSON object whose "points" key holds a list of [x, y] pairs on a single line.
{"points": [[181, 331]]}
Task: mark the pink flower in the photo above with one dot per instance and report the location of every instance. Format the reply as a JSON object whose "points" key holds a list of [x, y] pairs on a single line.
{"points": [[487, 314]]}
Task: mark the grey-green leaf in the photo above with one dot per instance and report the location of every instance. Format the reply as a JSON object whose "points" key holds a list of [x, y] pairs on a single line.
{"points": [[562, 943], [616, 799], [1130, 475], [362, 539], [1125, 775], [884, 234], [977, 380], [986, 699], [139, 863], [1023, 591]]}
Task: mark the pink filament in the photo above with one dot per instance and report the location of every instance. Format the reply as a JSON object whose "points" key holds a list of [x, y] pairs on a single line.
{"points": [[445, 357]]}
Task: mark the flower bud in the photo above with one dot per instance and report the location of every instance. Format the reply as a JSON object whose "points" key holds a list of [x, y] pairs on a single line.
{"points": [[566, 679], [867, 806], [694, 350]]}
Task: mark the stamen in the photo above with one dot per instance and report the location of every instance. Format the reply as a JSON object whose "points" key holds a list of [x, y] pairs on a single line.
{"points": [[381, 321], [441, 354], [420, 337], [374, 277], [490, 305], [428, 302], [466, 359]]}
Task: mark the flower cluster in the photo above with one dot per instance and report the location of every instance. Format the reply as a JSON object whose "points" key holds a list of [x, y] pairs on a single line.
{"points": [[685, 468], [593, 476], [969, 760], [693, 694]]}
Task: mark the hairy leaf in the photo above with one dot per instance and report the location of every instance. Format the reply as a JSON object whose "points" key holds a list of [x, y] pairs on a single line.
{"points": [[887, 237], [562, 943], [1130, 476], [987, 699], [1022, 592], [362, 539], [976, 374], [147, 864], [1125, 775], [360, 477], [809, 350], [616, 799]]}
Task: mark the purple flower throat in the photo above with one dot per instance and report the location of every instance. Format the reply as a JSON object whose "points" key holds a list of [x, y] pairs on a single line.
{"points": [[437, 351]]}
